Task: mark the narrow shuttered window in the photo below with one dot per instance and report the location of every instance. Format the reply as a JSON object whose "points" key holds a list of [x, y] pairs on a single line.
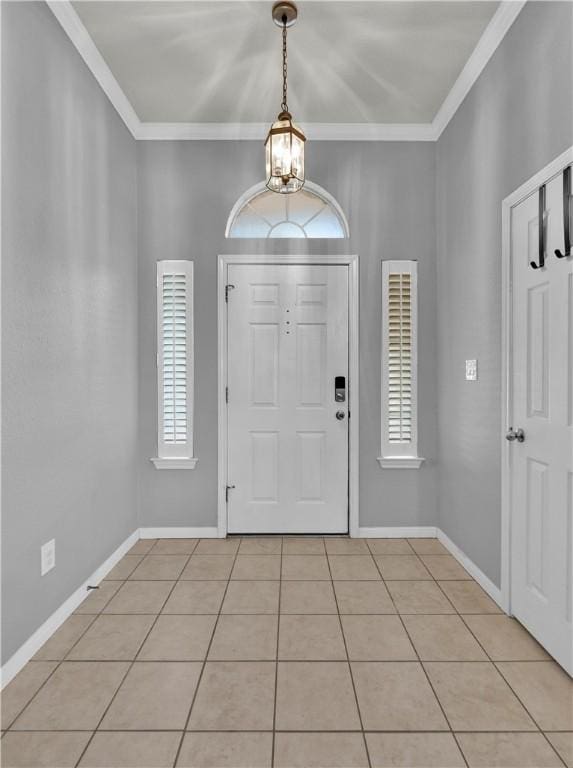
{"points": [[399, 355], [399, 364], [175, 364]]}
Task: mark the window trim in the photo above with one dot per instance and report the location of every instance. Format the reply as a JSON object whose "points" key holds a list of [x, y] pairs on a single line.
{"points": [[171, 456], [396, 455]]}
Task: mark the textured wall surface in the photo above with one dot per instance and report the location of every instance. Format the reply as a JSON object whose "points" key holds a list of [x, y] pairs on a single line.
{"points": [[186, 192], [69, 321], [515, 120]]}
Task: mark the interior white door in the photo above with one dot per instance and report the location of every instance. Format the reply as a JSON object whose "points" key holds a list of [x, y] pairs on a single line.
{"points": [[541, 383], [287, 341]]}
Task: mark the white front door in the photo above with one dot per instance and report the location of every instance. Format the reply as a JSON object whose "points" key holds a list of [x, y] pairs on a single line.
{"points": [[287, 346], [541, 382]]}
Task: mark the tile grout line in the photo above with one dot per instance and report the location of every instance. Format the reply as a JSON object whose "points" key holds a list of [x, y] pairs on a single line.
{"points": [[133, 661], [196, 691], [499, 672], [491, 660], [365, 742], [277, 656], [179, 579], [539, 729], [59, 662], [294, 661], [94, 618], [305, 732], [282, 730], [403, 623]]}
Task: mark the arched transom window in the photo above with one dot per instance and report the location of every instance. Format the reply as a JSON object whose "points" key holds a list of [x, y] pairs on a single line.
{"points": [[309, 213]]}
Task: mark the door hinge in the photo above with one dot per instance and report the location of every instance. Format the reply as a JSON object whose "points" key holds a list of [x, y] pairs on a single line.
{"points": [[226, 394], [228, 287], [227, 489]]}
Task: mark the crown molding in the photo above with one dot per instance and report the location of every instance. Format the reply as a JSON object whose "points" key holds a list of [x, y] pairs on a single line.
{"points": [[482, 53], [80, 37], [258, 131], [487, 45]]}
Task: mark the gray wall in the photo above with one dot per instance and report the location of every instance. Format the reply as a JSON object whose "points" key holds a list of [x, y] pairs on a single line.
{"points": [[186, 191], [69, 325], [71, 447], [516, 119]]}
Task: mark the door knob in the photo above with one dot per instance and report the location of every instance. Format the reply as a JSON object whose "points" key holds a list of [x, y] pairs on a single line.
{"points": [[340, 415], [515, 434]]}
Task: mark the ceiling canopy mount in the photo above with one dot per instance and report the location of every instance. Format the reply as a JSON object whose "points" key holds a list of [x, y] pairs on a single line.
{"points": [[285, 13]]}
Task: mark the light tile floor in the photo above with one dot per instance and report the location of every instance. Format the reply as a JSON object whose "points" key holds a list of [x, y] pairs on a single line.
{"points": [[289, 652]]}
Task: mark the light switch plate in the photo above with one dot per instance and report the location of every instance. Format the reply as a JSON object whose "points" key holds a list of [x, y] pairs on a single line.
{"points": [[48, 556], [471, 370]]}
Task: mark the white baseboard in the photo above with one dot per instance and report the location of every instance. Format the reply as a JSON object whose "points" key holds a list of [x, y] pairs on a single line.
{"points": [[484, 581], [23, 655], [203, 532], [408, 532], [47, 629], [416, 532]]}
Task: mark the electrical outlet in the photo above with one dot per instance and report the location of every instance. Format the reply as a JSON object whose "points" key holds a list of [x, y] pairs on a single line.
{"points": [[48, 556], [471, 370]]}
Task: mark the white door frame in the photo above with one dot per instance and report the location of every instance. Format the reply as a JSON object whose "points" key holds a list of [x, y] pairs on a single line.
{"points": [[551, 170], [353, 367]]}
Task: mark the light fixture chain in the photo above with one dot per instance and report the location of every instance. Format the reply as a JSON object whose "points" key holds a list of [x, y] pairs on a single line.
{"points": [[284, 104], [284, 145]]}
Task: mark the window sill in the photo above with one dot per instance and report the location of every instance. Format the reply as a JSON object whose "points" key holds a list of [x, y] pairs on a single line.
{"points": [[174, 463], [400, 462]]}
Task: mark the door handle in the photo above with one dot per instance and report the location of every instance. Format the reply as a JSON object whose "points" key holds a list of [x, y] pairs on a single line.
{"points": [[515, 434], [340, 415]]}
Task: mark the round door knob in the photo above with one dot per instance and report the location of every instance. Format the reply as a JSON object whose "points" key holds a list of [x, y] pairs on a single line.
{"points": [[515, 434], [340, 415]]}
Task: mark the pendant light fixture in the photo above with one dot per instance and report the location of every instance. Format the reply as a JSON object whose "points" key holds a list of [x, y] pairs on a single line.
{"points": [[284, 145]]}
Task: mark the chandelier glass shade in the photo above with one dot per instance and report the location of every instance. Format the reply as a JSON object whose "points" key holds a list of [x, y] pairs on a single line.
{"points": [[285, 155], [284, 145]]}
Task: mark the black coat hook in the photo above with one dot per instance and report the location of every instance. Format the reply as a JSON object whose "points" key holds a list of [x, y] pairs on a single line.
{"points": [[541, 264], [566, 215]]}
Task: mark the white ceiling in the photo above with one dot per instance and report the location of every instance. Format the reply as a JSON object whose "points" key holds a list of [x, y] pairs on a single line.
{"points": [[350, 61]]}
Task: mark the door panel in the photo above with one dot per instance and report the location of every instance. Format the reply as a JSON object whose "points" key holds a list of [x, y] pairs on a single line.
{"points": [[310, 459], [541, 466], [264, 466], [287, 331], [536, 526], [311, 364], [537, 371], [264, 357]]}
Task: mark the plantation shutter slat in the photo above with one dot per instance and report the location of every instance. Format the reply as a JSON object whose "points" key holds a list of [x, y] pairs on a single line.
{"points": [[399, 296], [400, 337], [175, 358]]}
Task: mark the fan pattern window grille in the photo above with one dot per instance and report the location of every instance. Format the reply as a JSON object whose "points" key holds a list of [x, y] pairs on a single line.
{"points": [[310, 213]]}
